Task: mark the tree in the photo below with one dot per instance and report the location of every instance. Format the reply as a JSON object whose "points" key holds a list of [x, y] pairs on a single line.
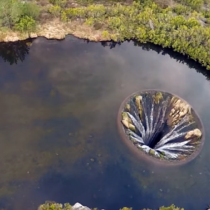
{"points": [[11, 11], [26, 23]]}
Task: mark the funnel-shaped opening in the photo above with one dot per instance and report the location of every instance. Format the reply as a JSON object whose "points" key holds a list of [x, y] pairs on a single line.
{"points": [[162, 126]]}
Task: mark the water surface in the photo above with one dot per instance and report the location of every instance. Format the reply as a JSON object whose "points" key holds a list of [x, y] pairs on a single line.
{"points": [[58, 132]]}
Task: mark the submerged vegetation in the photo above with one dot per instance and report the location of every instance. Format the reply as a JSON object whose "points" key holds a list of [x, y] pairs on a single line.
{"points": [[182, 25]]}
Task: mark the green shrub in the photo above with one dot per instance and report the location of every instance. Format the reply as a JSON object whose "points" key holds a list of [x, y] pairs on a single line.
{"points": [[64, 17], [105, 34], [194, 4], [55, 10], [85, 2], [90, 21], [31, 10], [96, 10], [26, 23], [206, 14], [61, 3], [181, 10], [192, 22], [163, 3], [75, 13], [11, 11]]}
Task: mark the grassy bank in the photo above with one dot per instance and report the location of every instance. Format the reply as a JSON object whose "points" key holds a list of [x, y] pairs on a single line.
{"points": [[183, 25]]}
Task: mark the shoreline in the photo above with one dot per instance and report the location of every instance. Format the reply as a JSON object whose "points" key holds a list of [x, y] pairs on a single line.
{"points": [[177, 27], [57, 30]]}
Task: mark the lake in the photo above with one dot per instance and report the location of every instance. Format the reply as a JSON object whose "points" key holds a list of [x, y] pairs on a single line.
{"points": [[59, 139]]}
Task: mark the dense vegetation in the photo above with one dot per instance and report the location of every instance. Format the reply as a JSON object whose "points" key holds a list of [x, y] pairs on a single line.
{"points": [[178, 27], [18, 15], [67, 206], [194, 4], [183, 25]]}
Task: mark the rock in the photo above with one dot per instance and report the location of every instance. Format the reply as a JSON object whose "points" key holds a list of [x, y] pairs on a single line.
{"points": [[194, 133], [33, 35], [179, 110], [138, 100], [128, 107], [172, 111], [151, 24], [78, 206], [12, 38]]}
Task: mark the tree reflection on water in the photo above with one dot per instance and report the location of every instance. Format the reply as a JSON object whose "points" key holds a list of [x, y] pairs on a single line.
{"points": [[164, 51], [13, 52]]}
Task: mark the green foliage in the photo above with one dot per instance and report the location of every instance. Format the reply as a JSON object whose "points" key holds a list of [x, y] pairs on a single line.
{"points": [[176, 28], [163, 3], [57, 206], [85, 2], [89, 21], [206, 13], [64, 17], [105, 35], [172, 207], [72, 13], [60, 3], [55, 11], [194, 4], [31, 10], [181, 10], [95, 10], [26, 23], [12, 11]]}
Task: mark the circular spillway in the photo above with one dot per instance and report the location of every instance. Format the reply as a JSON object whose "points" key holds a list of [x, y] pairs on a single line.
{"points": [[160, 127]]}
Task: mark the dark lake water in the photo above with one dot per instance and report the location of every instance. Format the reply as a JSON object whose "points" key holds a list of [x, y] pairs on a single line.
{"points": [[59, 140]]}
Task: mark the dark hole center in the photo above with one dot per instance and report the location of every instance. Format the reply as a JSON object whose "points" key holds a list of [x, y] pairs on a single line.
{"points": [[155, 139]]}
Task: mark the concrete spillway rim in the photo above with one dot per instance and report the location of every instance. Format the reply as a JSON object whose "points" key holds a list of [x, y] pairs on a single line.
{"points": [[148, 158]]}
